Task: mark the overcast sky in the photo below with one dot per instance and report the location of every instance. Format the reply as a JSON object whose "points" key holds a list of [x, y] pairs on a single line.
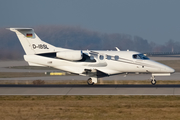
{"points": [[154, 20]]}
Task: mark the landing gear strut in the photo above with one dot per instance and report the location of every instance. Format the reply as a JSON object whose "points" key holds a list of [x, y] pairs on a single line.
{"points": [[153, 81], [89, 81]]}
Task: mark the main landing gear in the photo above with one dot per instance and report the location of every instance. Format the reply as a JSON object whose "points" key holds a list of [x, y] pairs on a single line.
{"points": [[153, 81], [90, 82]]}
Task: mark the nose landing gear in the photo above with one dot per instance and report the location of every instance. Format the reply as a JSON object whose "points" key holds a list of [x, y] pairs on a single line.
{"points": [[153, 81]]}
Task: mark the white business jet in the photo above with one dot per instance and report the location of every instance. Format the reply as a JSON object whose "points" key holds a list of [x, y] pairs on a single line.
{"points": [[95, 64]]}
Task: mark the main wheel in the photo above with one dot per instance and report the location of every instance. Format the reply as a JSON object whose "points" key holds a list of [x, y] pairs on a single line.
{"points": [[153, 82], [89, 81]]}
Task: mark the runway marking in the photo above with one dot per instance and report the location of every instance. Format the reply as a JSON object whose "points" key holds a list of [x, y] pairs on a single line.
{"points": [[69, 91]]}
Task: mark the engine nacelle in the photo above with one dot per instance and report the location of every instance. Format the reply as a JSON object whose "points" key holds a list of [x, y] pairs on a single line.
{"points": [[70, 55]]}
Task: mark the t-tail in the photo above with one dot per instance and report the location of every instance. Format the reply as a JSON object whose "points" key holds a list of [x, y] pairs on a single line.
{"points": [[31, 43]]}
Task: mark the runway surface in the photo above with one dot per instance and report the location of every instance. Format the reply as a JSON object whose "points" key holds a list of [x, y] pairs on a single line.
{"points": [[89, 90], [85, 89]]}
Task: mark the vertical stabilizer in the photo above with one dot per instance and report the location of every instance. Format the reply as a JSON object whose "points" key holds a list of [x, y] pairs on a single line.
{"points": [[31, 43]]}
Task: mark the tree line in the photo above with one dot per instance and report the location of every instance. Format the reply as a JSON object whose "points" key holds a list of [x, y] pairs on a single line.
{"points": [[81, 39]]}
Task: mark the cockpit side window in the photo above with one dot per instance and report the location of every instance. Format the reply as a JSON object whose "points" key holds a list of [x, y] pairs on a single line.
{"points": [[143, 57], [140, 56], [135, 56]]}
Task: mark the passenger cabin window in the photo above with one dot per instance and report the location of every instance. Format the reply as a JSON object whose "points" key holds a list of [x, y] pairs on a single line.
{"points": [[140, 56], [108, 57], [116, 57], [101, 57]]}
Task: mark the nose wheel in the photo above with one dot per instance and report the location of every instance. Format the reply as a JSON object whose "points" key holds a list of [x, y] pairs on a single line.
{"points": [[89, 81], [153, 81]]}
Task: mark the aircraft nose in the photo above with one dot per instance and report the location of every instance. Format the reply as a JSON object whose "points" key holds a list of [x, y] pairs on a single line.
{"points": [[170, 70]]}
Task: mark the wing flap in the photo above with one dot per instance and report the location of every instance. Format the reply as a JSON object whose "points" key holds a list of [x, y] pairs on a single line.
{"points": [[95, 72]]}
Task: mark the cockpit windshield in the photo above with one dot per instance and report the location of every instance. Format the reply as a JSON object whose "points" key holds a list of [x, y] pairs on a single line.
{"points": [[140, 56]]}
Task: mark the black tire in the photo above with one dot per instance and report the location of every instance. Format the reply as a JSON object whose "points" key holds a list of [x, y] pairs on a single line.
{"points": [[89, 81], [153, 83]]}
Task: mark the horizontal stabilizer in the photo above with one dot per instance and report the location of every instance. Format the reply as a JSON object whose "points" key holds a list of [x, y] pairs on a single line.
{"points": [[20, 29]]}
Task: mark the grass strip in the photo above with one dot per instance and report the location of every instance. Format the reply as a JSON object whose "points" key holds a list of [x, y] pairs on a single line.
{"points": [[20, 74], [89, 107]]}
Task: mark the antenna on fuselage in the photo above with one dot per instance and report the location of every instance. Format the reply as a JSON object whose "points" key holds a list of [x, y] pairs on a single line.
{"points": [[117, 49]]}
